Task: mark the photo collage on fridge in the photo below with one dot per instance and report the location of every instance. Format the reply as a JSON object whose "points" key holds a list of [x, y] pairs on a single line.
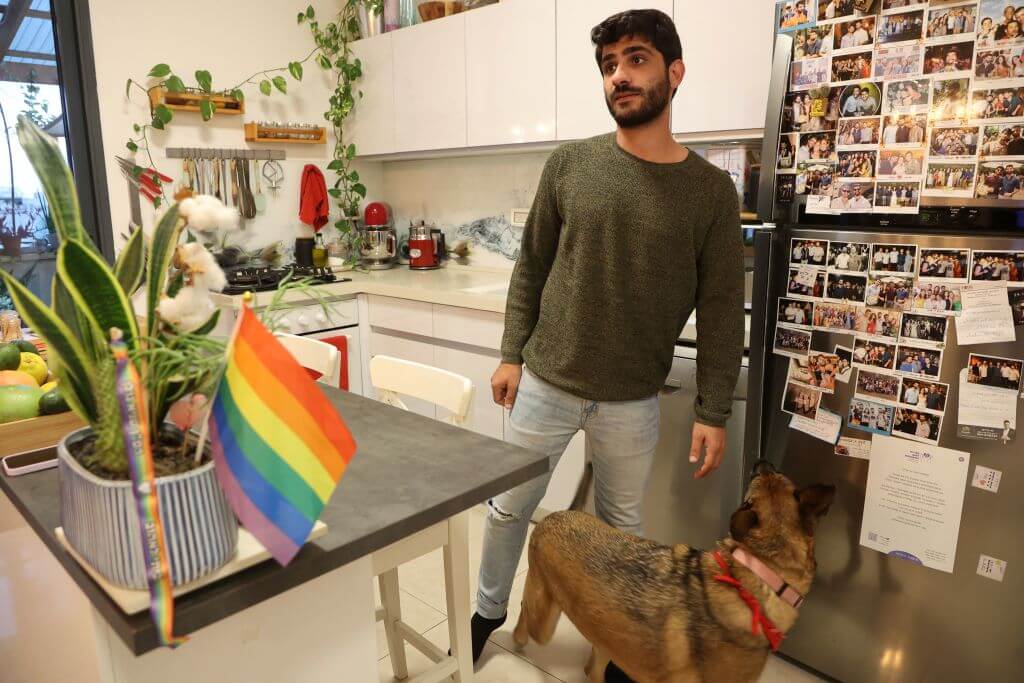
{"points": [[916, 98], [899, 303]]}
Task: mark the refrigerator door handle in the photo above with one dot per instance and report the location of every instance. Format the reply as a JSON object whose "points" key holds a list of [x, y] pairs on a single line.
{"points": [[761, 326], [781, 59]]}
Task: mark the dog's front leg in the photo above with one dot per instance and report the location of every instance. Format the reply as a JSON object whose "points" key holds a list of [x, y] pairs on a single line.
{"points": [[596, 665]]}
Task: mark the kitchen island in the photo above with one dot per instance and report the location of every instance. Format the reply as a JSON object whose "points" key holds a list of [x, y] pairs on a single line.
{"points": [[312, 620]]}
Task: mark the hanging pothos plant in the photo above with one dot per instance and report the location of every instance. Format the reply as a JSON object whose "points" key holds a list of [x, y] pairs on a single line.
{"points": [[162, 76], [334, 53]]}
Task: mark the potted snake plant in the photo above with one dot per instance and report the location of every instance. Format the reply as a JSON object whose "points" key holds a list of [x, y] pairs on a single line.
{"points": [[174, 357]]}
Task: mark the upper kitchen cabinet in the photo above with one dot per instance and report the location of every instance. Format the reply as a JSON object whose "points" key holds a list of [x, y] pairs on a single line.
{"points": [[430, 85], [372, 124], [510, 78], [582, 111], [726, 82]]}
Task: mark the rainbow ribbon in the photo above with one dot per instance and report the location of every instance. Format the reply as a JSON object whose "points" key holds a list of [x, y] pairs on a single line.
{"points": [[137, 445]]}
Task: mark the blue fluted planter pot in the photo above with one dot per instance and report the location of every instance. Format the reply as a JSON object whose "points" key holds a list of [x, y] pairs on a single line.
{"points": [[101, 523]]}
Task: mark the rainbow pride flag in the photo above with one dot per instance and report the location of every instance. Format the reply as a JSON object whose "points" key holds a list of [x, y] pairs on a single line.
{"points": [[279, 445]]}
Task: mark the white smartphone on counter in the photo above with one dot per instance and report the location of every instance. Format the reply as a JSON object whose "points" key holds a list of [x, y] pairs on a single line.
{"points": [[29, 461]]}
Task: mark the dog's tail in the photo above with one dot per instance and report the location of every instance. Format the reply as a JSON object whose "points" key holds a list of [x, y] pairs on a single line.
{"points": [[580, 499]]}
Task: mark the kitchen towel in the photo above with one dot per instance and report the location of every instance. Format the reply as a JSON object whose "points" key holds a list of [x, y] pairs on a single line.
{"points": [[313, 200]]}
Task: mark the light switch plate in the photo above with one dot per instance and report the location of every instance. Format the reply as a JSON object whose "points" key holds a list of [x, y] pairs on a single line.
{"points": [[517, 217]]}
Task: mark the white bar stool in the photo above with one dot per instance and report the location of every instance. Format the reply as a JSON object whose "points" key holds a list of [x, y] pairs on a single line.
{"points": [[314, 355], [392, 377]]}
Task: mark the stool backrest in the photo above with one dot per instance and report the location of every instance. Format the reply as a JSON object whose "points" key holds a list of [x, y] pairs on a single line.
{"points": [[314, 355], [394, 376]]}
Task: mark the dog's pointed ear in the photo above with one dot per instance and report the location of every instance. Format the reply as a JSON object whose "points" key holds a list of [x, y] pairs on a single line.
{"points": [[814, 502], [741, 522]]}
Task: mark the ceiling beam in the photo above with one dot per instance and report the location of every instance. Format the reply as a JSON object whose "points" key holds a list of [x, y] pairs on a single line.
{"points": [[15, 14], [50, 57], [19, 72]]}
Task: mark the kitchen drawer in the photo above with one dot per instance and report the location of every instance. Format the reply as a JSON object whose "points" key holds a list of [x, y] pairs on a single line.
{"points": [[401, 315], [468, 326]]}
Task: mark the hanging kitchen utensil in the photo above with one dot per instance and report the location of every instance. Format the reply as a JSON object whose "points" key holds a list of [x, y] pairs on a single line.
{"points": [[249, 202], [273, 174], [260, 200], [216, 180]]}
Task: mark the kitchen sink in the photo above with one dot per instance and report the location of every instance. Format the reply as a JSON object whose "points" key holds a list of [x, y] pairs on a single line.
{"points": [[489, 290]]}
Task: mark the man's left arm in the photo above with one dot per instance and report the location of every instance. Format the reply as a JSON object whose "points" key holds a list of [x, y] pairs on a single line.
{"points": [[719, 304]]}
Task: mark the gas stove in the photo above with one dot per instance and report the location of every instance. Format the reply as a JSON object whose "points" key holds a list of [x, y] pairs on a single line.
{"points": [[243, 279]]}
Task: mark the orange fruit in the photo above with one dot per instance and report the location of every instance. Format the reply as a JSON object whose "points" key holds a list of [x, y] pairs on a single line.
{"points": [[10, 378]]}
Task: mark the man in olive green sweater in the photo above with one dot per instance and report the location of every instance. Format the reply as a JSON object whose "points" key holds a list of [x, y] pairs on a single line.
{"points": [[629, 232]]}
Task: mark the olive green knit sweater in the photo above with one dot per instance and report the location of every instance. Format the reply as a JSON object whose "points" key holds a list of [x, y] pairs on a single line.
{"points": [[616, 253]]}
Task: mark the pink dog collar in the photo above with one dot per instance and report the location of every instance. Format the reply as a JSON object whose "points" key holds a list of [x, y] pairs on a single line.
{"points": [[766, 574]]}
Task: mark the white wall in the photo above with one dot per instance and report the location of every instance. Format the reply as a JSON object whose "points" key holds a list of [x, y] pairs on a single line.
{"points": [[232, 39]]}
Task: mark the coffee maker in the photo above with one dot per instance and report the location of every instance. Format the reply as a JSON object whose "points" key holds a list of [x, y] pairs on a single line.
{"points": [[379, 246]]}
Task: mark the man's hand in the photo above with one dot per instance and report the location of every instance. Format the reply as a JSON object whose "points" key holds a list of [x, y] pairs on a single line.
{"points": [[505, 384], [711, 440]]}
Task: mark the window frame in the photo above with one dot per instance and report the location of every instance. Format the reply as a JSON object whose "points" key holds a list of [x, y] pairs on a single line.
{"points": [[76, 67]]}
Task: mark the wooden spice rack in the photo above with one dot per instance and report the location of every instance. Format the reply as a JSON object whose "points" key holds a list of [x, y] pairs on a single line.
{"points": [[189, 101], [254, 132]]}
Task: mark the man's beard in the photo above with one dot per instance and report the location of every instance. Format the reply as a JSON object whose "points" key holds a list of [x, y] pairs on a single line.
{"points": [[652, 103]]}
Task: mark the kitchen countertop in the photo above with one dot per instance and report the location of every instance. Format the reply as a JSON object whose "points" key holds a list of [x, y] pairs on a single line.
{"points": [[409, 473], [447, 286]]}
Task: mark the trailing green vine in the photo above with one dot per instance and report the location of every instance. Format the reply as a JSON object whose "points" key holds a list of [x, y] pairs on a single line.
{"points": [[333, 42], [333, 52], [162, 76]]}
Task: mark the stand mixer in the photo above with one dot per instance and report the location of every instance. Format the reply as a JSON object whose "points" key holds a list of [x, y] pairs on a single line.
{"points": [[380, 243]]}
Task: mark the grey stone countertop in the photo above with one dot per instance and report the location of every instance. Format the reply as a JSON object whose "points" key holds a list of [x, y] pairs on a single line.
{"points": [[409, 473]]}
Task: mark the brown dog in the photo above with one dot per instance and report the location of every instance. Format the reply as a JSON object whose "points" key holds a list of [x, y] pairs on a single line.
{"points": [[659, 612]]}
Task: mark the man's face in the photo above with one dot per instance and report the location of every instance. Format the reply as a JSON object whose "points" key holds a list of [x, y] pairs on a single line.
{"points": [[951, 58], [1013, 29], [637, 84]]}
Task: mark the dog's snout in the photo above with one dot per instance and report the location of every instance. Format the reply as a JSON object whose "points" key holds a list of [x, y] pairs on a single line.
{"points": [[762, 467]]}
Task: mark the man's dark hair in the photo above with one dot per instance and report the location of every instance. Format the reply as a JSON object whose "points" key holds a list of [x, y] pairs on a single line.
{"points": [[652, 25]]}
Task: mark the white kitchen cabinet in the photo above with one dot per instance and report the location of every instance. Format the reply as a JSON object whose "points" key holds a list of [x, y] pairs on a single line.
{"points": [[582, 111], [382, 344], [401, 315], [726, 82], [430, 85], [510, 74], [372, 124], [485, 417]]}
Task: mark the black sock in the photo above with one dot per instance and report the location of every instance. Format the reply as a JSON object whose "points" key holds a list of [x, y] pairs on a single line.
{"points": [[481, 629], [613, 674]]}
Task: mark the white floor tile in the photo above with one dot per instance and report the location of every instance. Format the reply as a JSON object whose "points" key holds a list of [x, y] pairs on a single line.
{"points": [[778, 670], [424, 576], [420, 616], [564, 657], [495, 666], [42, 611]]}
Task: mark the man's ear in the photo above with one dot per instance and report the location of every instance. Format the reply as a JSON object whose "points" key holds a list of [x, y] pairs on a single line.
{"points": [[676, 73], [814, 502]]}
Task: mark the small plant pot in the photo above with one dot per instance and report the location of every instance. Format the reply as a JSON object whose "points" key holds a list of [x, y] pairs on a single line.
{"points": [[12, 246], [101, 521]]}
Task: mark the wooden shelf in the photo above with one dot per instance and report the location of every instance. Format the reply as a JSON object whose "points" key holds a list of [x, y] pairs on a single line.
{"points": [[257, 133], [189, 101], [38, 432]]}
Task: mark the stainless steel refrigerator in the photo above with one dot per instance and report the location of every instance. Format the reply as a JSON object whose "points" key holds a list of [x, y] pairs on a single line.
{"points": [[869, 616]]}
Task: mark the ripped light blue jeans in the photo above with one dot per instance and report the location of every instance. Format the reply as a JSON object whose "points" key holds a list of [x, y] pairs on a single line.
{"points": [[622, 437]]}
